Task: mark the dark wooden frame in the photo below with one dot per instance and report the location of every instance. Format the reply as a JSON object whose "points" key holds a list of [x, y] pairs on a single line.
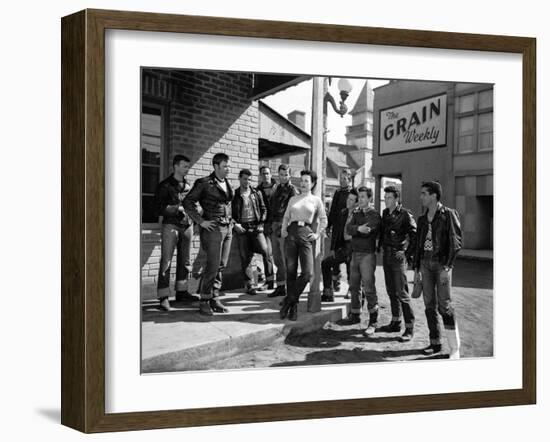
{"points": [[83, 216]]}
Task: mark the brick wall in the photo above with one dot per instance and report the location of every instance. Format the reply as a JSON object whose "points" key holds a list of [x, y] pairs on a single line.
{"points": [[207, 112]]}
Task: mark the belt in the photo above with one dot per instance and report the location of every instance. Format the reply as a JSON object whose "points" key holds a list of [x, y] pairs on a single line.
{"points": [[393, 249], [300, 223]]}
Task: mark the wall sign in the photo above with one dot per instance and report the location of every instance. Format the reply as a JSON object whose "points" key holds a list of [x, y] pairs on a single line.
{"points": [[418, 125]]}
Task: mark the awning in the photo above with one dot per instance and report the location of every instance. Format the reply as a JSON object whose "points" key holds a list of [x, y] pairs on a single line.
{"points": [[269, 84]]}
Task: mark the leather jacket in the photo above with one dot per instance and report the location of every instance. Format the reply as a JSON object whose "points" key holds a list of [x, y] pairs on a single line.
{"points": [[338, 204], [214, 201], [169, 196], [267, 190], [337, 240], [279, 201], [258, 206], [446, 236], [398, 231]]}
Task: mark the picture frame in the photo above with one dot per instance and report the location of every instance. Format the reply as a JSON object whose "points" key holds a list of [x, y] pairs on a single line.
{"points": [[83, 220]]}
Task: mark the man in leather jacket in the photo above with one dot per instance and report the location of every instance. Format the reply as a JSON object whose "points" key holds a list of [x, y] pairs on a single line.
{"points": [[340, 248], [338, 204], [438, 241], [277, 207], [397, 240], [176, 233], [249, 214], [266, 187], [214, 194]]}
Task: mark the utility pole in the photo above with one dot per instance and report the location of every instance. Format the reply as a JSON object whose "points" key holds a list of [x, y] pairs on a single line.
{"points": [[318, 143]]}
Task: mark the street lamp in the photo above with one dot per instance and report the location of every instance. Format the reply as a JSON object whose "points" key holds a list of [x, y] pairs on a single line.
{"points": [[321, 96], [345, 87]]}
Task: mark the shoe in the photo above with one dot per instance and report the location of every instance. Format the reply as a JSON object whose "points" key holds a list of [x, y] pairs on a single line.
{"points": [[392, 327], [165, 304], [353, 318], [205, 309], [270, 285], [284, 309], [407, 336], [217, 306], [279, 291], [432, 349], [252, 292], [185, 296], [370, 330], [293, 312]]}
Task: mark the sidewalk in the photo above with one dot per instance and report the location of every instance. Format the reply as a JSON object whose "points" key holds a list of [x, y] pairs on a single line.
{"points": [[185, 340], [479, 255]]}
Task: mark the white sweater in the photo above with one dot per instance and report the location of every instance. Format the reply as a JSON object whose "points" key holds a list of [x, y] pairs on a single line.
{"points": [[305, 208]]}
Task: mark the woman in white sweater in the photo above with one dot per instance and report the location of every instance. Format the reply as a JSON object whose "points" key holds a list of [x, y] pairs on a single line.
{"points": [[303, 223]]}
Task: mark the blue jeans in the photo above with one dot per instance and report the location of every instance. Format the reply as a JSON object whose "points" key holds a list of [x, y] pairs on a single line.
{"points": [[395, 275], [268, 259], [330, 266], [362, 269], [217, 245], [250, 243], [298, 248], [278, 248], [437, 297], [172, 237]]}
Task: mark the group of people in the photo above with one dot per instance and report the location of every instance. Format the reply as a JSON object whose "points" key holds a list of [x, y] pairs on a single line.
{"points": [[281, 223]]}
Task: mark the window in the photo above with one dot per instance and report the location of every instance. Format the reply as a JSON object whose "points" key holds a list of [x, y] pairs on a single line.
{"points": [[486, 131], [151, 160], [475, 122], [466, 134]]}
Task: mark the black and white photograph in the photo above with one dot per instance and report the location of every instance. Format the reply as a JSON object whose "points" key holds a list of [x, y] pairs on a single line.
{"points": [[297, 220]]}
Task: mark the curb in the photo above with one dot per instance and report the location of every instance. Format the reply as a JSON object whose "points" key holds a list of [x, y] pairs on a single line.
{"points": [[198, 357]]}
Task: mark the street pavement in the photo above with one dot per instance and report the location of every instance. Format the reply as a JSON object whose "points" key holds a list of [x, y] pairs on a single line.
{"points": [[252, 335]]}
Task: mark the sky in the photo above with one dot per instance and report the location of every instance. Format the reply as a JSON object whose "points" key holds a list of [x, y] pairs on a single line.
{"points": [[299, 97]]}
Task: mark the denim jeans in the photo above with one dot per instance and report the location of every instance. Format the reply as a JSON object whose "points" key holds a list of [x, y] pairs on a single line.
{"points": [[278, 246], [217, 245], [437, 297], [395, 275], [174, 237], [298, 248], [362, 269], [250, 243], [268, 259], [331, 266]]}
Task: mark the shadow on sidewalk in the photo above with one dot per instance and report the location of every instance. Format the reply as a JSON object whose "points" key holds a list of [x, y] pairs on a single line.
{"points": [[356, 355]]}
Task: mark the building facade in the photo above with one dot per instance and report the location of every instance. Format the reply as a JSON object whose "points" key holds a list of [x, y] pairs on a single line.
{"points": [[197, 114], [438, 131]]}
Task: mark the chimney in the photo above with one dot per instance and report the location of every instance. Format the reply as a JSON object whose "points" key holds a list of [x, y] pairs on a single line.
{"points": [[298, 117]]}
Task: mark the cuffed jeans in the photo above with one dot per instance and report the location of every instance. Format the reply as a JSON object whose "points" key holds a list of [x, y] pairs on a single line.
{"points": [[298, 249], [437, 297], [174, 237], [331, 263], [250, 243], [217, 245], [395, 275], [362, 268], [278, 246]]}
